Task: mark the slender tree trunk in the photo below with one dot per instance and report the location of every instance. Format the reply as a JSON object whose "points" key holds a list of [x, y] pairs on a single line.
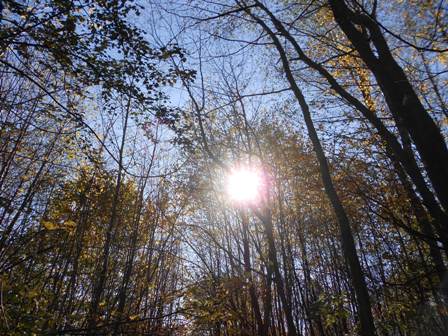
{"points": [[266, 219], [103, 270], [248, 275], [425, 225], [405, 157], [348, 243]]}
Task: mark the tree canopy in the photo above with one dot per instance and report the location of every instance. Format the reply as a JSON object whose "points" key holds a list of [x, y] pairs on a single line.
{"points": [[244, 167]]}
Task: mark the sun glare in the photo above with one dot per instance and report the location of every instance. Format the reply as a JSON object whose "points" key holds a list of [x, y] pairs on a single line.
{"points": [[244, 185]]}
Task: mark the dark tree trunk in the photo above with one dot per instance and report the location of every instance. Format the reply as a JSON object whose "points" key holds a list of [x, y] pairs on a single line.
{"points": [[400, 96], [347, 241]]}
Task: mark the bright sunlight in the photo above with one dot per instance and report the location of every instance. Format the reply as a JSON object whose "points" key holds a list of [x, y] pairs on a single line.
{"points": [[244, 185]]}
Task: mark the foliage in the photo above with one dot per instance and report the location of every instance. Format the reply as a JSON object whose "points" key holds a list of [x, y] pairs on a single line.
{"points": [[121, 120]]}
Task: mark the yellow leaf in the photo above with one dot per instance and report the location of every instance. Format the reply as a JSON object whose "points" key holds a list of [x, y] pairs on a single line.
{"points": [[133, 317], [445, 121], [49, 225], [70, 224]]}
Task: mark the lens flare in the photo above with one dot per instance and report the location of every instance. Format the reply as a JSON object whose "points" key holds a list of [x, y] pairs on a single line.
{"points": [[244, 185]]}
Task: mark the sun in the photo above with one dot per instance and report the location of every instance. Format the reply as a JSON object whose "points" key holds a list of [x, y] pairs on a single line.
{"points": [[244, 185]]}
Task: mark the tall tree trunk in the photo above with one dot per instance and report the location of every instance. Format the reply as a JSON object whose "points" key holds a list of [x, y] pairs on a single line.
{"points": [[405, 157], [399, 94], [248, 275], [266, 219], [103, 270], [347, 241]]}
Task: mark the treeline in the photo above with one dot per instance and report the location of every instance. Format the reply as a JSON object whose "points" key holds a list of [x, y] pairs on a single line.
{"points": [[121, 120]]}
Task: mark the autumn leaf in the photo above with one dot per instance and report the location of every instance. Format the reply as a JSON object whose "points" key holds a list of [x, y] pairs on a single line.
{"points": [[49, 225]]}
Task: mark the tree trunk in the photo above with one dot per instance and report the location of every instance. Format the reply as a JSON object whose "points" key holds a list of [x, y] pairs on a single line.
{"points": [[347, 241], [399, 94]]}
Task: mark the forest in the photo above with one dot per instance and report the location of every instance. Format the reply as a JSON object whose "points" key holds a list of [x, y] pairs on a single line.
{"points": [[223, 168]]}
